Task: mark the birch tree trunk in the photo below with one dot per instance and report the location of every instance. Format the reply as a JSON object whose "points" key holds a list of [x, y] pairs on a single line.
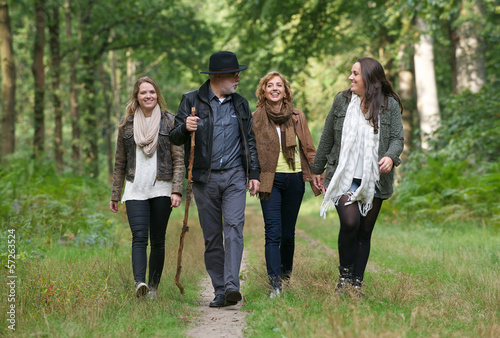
{"points": [[131, 70], [469, 52], [53, 25], [39, 76], [406, 90], [425, 80], [8, 83]]}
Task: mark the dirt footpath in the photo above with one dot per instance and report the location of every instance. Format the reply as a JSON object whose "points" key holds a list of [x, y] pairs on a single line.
{"points": [[226, 321]]}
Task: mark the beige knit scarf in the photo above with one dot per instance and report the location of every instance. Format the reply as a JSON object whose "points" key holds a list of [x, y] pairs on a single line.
{"points": [[146, 135]]}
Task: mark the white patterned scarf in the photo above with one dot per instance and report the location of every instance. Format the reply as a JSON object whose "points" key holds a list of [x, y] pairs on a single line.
{"points": [[146, 135], [357, 136]]}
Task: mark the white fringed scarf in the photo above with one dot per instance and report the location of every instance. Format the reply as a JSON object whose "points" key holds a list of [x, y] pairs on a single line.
{"points": [[357, 136], [146, 135]]}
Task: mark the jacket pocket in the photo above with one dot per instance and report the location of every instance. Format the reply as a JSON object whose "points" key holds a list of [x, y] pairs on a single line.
{"points": [[163, 138], [204, 115], [385, 130], [331, 159], [339, 117], [128, 137]]}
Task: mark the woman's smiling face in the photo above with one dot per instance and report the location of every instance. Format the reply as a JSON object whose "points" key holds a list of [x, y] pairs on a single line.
{"points": [[147, 97], [275, 90], [357, 83]]}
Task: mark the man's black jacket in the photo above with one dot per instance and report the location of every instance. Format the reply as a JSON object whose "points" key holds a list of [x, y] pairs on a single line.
{"points": [[204, 134]]}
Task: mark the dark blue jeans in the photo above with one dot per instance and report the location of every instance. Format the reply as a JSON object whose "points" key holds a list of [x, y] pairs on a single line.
{"points": [[280, 215], [148, 218]]}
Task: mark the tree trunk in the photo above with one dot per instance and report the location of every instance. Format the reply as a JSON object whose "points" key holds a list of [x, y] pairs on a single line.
{"points": [[469, 52], [73, 95], [55, 52], [131, 69], [8, 83], [39, 76], [425, 80], [115, 87], [108, 126], [89, 117], [406, 90], [90, 58]]}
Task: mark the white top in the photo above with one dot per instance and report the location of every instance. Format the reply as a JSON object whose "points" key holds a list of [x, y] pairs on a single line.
{"points": [[144, 186]]}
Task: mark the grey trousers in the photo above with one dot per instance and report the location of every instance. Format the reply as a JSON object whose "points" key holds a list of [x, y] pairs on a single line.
{"points": [[221, 209]]}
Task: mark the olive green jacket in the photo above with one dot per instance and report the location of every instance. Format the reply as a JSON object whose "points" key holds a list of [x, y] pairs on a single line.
{"points": [[391, 140]]}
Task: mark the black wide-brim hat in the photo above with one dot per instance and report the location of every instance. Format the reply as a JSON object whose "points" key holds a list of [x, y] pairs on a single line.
{"points": [[224, 63]]}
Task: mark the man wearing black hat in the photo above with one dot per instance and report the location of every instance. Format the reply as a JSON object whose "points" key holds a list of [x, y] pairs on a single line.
{"points": [[225, 165]]}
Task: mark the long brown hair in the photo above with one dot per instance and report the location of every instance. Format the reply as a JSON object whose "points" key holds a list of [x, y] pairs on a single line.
{"points": [[261, 88], [377, 88], [133, 104]]}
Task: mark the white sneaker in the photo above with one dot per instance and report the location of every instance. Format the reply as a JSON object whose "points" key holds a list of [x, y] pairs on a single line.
{"points": [[275, 293], [141, 289]]}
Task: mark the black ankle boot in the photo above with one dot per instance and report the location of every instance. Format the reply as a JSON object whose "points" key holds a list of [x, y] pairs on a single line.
{"points": [[345, 279], [357, 284]]}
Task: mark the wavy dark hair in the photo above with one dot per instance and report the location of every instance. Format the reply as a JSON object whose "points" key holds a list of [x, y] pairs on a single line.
{"points": [[133, 104], [261, 88], [377, 89]]}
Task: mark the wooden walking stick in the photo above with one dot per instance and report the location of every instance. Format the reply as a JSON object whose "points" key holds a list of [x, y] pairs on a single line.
{"points": [[189, 196]]}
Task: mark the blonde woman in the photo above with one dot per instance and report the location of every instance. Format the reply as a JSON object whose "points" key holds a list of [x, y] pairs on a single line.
{"points": [[152, 170]]}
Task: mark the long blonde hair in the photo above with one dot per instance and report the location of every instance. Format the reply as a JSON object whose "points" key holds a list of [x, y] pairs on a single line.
{"points": [[133, 104], [261, 88]]}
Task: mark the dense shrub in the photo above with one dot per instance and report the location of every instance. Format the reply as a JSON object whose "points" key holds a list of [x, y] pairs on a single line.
{"points": [[45, 206], [459, 178]]}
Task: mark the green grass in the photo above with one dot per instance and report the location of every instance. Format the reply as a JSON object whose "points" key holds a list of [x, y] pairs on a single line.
{"points": [[421, 280], [79, 290], [424, 278], [73, 264]]}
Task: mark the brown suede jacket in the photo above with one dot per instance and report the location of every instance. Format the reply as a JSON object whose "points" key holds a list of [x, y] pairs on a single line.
{"points": [[170, 158], [307, 150]]}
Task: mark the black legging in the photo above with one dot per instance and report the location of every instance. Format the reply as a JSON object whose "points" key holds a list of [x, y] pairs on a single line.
{"points": [[355, 234], [148, 216]]}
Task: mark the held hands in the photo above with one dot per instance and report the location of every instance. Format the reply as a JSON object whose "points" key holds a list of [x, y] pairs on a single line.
{"points": [[253, 186], [318, 183], [385, 165], [192, 123]]}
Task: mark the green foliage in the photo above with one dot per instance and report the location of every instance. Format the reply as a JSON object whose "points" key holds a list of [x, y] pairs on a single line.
{"points": [[46, 207], [458, 178], [470, 128]]}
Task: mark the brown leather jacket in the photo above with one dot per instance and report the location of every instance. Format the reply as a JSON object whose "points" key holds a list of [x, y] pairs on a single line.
{"points": [[307, 151], [170, 158]]}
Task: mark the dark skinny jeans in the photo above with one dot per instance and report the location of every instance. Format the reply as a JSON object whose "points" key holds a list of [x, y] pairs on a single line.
{"points": [[148, 217], [280, 215]]}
